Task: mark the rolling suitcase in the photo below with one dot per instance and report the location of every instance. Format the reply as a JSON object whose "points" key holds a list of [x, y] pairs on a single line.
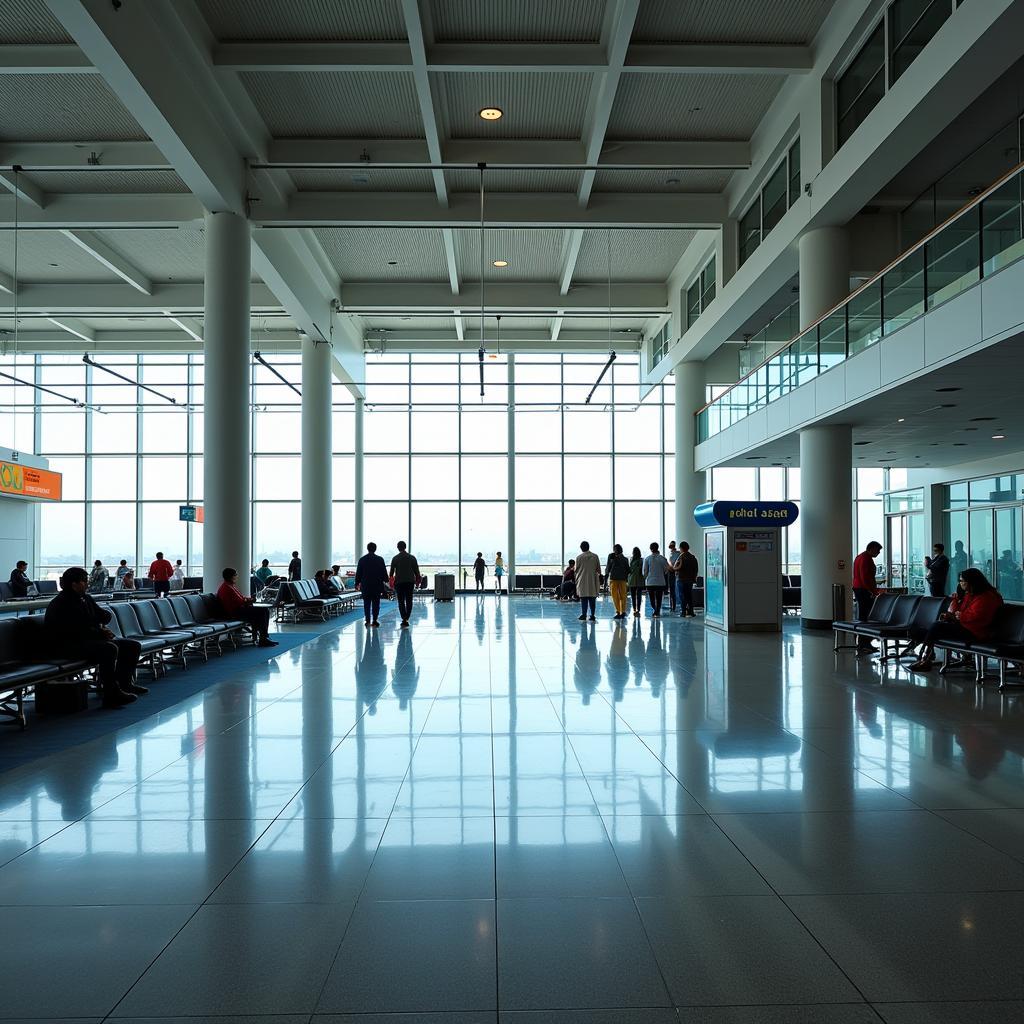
{"points": [[444, 586]]}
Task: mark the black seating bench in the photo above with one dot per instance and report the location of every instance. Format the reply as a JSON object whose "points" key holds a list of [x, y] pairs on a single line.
{"points": [[1005, 646], [879, 615]]}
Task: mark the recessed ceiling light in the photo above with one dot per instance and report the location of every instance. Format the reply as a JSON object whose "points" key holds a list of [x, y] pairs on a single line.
{"points": [[501, 263], [392, 263], [998, 437], [491, 113], [902, 419], [671, 181], [942, 390], [54, 264], [361, 179]]}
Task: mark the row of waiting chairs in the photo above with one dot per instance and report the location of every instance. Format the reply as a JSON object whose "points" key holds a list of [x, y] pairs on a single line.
{"points": [[904, 619], [168, 630], [296, 600]]}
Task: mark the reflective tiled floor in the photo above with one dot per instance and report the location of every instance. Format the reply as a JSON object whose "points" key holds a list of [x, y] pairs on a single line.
{"points": [[506, 814]]}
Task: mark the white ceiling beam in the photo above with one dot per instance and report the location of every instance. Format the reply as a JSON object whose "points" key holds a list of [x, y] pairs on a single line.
{"points": [[192, 327], [73, 326], [6, 283], [107, 211], [570, 254], [44, 59], [113, 261], [78, 156], [19, 185], [92, 299], [483, 56], [414, 15], [556, 325], [278, 340], [460, 325], [620, 17], [511, 341], [529, 153], [448, 238], [633, 298], [718, 59], [504, 209], [121, 41]]}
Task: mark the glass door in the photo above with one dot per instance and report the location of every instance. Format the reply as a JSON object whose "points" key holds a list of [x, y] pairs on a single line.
{"points": [[905, 552], [894, 551], [1008, 554]]}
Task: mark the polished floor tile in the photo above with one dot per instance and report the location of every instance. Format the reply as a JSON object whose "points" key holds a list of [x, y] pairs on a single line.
{"points": [[699, 943], [922, 946], [575, 953], [251, 958], [504, 815], [412, 956]]}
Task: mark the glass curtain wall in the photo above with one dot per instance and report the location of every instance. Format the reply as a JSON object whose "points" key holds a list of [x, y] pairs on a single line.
{"points": [[435, 466]]}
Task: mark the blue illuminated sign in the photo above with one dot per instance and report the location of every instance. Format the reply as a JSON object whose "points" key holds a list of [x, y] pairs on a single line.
{"points": [[746, 513]]}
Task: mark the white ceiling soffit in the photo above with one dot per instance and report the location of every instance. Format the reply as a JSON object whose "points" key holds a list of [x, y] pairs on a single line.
{"points": [[636, 255], [63, 108], [304, 21], [514, 181], [531, 254], [29, 21], [517, 21], [333, 104], [176, 254], [363, 179], [687, 181], [102, 182], [662, 106], [39, 250], [361, 254], [735, 21]]}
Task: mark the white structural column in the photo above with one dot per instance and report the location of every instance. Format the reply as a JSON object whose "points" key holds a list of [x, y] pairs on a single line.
{"points": [[357, 481], [691, 486], [826, 453], [824, 272], [510, 561], [316, 454], [826, 519], [226, 448]]}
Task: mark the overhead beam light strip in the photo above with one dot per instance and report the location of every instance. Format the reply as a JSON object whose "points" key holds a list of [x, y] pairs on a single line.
{"points": [[284, 380], [128, 380]]}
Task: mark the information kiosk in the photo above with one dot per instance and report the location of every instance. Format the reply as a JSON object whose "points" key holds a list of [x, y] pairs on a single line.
{"points": [[743, 563]]}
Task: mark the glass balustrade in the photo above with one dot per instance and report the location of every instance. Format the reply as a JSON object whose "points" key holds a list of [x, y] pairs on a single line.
{"points": [[977, 242]]}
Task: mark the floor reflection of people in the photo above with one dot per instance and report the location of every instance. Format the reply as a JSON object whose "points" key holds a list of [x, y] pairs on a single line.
{"points": [[867, 713], [637, 653], [587, 674], [405, 676], [682, 659], [371, 672], [73, 786], [617, 664], [982, 747], [656, 663], [480, 619]]}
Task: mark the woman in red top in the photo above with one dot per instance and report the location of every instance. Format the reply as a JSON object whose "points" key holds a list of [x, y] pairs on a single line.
{"points": [[237, 606], [969, 616]]}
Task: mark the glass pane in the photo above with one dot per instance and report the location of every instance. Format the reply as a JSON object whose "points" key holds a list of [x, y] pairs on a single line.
{"points": [[385, 431], [1010, 564], [794, 172], [903, 292], [276, 527], [484, 430], [980, 551], [638, 430], [728, 484], [1003, 225], [114, 478], [637, 523], [343, 528], [773, 197], [915, 554], [912, 23], [538, 536], [275, 476], [385, 477], [538, 476], [164, 430], [386, 523], [72, 472], [587, 430], [485, 477], [588, 477], [61, 538], [61, 431], [862, 85], [435, 535], [434, 431], [114, 431], [869, 523], [484, 528], [638, 476], [750, 231], [590, 521], [953, 259], [164, 478], [832, 339], [864, 312], [692, 304], [113, 533], [538, 431], [956, 546], [435, 477], [163, 531], [277, 431]]}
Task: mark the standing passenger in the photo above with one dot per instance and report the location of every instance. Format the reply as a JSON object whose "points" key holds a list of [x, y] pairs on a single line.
{"points": [[588, 580], [371, 579], [406, 572], [295, 567], [655, 576], [635, 581], [617, 571], [479, 570], [673, 557], [178, 576], [687, 570], [937, 570], [160, 572], [499, 571], [865, 589]]}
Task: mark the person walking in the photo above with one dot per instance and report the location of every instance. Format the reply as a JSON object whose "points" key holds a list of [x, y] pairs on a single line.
{"points": [[98, 578], [937, 570], [499, 571], [635, 582], [588, 580], [865, 589], [655, 576], [405, 571], [160, 572], [687, 569], [371, 581], [617, 572], [673, 557]]}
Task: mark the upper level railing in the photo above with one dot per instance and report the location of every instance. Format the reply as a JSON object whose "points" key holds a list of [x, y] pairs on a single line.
{"points": [[976, 242]]}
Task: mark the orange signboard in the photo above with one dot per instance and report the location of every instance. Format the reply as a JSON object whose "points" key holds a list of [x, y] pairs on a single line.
{"points": [[29, 482]]}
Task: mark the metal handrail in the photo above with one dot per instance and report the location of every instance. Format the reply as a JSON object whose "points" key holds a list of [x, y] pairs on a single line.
{"points": [[972, 204]]}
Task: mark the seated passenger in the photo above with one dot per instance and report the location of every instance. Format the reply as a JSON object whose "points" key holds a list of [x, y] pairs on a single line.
{"points": [[98, 578], [76, 626], [125, 582], [122, 568], [178, 576], [237, 606], [19, 580], [968, 618], [336, 581], [567, 588], [264, 572]]}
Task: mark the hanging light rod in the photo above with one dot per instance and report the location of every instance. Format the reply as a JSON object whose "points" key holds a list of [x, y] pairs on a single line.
{"points": [[597, 383], [128, 380], [39, 387], [284, 380]]}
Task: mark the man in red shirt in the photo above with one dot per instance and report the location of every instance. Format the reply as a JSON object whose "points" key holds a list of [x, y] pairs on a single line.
{"points": [[160, 572], [864, 587], [237, 606]]}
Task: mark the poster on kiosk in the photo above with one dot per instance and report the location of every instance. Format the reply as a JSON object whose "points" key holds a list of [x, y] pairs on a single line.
{"points": [[743, 563]]}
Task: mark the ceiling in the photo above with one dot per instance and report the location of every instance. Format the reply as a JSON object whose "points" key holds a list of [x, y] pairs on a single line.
{"points": [[624, 121]]}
